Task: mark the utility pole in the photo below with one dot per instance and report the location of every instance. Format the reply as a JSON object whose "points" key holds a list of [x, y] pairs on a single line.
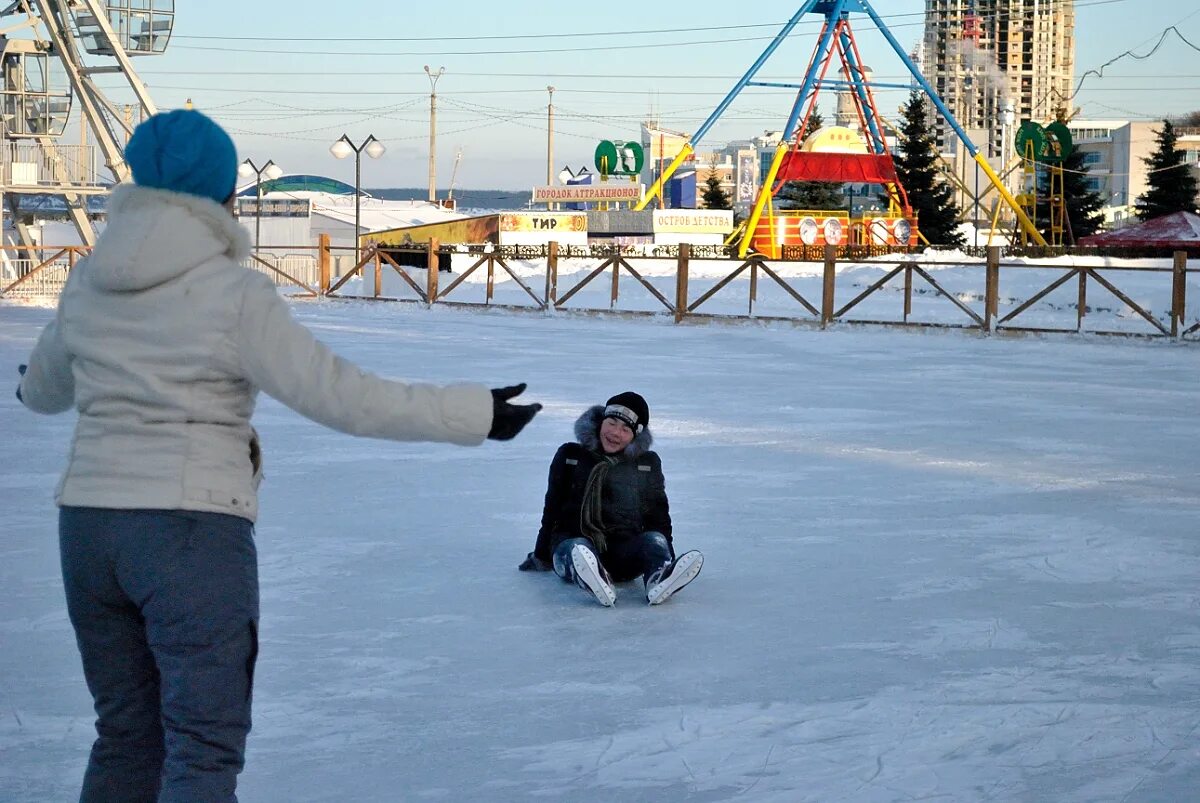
{"points": [[433, 79], [550, 137]]}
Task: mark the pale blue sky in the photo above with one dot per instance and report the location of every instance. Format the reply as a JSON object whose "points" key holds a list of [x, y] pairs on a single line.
{"points": [[358, 70]]}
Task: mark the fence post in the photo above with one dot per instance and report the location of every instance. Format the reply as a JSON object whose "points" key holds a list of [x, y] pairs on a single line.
{"points": [[1178, 292], [991, 288], [828, 285], [432, 266], [491, 278], [907, 292], [754, 263], [1081, 302], [681, 281], [616, 281], [378, 274], [552, 274], [323, 263]]}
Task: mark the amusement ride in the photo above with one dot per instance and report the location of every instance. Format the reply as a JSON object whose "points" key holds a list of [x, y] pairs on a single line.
{"points": [[52, 52], [770, 232]]}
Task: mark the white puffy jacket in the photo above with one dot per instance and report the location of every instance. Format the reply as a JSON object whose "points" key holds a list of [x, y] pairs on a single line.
{"points": [[162, 342]]}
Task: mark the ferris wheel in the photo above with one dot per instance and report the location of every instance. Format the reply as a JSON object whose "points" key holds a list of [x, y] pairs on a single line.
{"points": [[51, 52]]}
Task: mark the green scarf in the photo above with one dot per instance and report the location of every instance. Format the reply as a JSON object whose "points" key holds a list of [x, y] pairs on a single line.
{"points": [[591, 519]]}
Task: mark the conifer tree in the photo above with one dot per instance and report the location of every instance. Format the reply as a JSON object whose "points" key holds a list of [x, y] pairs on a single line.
{"points": [[1083, 205], [1172, 185], [931, 198], [714, 196], [810, 194]]}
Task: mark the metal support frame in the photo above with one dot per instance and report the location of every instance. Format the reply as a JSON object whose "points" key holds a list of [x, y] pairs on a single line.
{"points": [[689, 147], [100, 113], [836, 12], [55, 16]]}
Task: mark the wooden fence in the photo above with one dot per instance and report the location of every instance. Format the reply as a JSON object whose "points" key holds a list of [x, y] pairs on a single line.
{"points": [[423, 285]]}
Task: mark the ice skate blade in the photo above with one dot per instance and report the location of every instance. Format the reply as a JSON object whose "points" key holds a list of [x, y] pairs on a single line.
{"points": [[686, 570], [588, 571]]}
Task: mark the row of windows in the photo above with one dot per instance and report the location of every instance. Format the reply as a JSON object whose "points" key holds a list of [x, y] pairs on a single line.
{"points": [[1091, 133]]}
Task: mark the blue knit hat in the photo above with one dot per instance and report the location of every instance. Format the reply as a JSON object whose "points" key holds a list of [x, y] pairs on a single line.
{"points": [[183, 151]]}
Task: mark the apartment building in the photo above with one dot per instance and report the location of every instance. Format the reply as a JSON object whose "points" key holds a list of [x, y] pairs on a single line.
{"points": [[1115, 152], [983, 57]]}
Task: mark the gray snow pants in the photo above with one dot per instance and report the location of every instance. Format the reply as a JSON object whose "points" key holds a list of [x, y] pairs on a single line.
{"points": [[165, 609]]}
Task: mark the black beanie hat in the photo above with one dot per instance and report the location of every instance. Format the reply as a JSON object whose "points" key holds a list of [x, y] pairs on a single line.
{"points": [[630, 408]]}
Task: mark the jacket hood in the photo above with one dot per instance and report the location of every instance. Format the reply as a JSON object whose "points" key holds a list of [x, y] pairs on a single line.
{"points": [[587, 432], [155, 235]]}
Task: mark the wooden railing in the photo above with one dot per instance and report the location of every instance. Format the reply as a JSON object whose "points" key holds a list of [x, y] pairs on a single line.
{"points": [[39, 271], [665, 284], [753, 271]]}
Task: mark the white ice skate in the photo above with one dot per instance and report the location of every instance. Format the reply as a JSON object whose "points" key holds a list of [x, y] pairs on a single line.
{"points": [[673, 577], [591, 576]]}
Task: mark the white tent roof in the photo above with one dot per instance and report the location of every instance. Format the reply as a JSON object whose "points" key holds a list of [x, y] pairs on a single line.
{"points": [[377, 214]]}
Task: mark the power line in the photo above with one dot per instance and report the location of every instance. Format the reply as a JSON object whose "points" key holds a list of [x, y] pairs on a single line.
{"points": [[420, 95], [576, 49], [1099, 71], [486, 37], [443, 53], [544, 75]]}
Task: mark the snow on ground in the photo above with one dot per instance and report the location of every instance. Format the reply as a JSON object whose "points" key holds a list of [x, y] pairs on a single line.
{"points": [[939, 567]]}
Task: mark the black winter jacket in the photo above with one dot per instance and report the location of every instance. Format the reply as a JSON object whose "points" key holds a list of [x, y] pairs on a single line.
{"points": [[634, 496]]}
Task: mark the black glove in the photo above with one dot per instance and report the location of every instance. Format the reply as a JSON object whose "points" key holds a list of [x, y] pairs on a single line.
{"points": [[533, 563], [509, 419], [21, 369]]}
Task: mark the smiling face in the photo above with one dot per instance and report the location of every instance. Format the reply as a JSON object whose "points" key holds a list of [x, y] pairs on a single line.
{"points": [[614, 435]]}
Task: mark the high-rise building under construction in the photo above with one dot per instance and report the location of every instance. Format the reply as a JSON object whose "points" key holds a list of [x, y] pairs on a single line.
{"points": [[984, 57]]}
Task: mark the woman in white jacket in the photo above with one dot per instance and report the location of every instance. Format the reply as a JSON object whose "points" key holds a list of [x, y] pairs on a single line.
{"points": [[162, 342]]}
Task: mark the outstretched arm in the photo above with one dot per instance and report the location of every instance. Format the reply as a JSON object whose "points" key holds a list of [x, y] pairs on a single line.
{"points": [[286, 361]]}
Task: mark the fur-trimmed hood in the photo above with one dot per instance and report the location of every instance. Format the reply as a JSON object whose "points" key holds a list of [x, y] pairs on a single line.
{"points": [[587, 432], [155, 235]]}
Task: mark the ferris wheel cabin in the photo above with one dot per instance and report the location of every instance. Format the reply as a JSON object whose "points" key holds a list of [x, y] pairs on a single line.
{"points": [[142, 27], [35, 100]]}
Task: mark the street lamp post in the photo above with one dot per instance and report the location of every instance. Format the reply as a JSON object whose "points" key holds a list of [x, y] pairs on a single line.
{"points": [[340, 150], [270, 171]]}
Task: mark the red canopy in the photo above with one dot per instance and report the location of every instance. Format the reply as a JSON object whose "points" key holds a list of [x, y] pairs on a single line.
{"points": [[855, 168], [1178, 229]]}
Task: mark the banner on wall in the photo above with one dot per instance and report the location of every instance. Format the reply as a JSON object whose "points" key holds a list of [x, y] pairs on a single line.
{"points": [[275, 207], [543, 221], [589, 193], [467, 230], [747, 176], [693, 221]]}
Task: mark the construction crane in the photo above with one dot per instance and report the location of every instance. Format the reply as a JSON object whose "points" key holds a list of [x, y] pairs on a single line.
{"points": [[51, 52], [972, 24]]}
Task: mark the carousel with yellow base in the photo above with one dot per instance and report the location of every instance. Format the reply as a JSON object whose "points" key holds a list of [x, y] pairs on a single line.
{"points": [[834, 154]]}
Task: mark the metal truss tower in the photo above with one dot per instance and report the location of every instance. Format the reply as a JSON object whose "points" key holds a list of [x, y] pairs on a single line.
{"points": [[51, 52]]}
